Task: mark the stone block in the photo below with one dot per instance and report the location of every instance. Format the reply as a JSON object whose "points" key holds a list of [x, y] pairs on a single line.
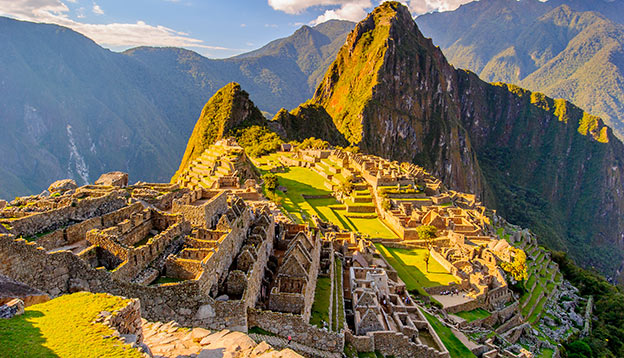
{"points": [[118, 179], [62, 185]]}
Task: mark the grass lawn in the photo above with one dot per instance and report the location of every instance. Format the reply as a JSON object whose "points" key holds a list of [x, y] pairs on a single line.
{"points": [[300, 181], [62, 328], [320, 307], [164, 279], [474, 315], [338, 319], [410, 265], [258, 330], [455, 347]]}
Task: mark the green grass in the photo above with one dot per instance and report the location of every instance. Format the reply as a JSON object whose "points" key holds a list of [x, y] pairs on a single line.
{"points": [[300, 181], [62, 328], [455, 347], [338, 317], [258, 330], [546, 353], [320, 307], [474, 315], [164, 279], [410, 265], [144, 240]]}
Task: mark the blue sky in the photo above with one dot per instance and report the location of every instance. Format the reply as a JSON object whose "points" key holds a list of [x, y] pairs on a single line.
{"points": [[213, 28]]}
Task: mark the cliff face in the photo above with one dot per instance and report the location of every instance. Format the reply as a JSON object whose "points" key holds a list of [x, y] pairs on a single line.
{"points": [[542, 163], [228, 109]]}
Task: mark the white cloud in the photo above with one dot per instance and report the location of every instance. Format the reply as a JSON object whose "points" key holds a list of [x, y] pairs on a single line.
{"points": [[423, 6], [110, 35], [352, 11], [97, 9], [355, 10]]}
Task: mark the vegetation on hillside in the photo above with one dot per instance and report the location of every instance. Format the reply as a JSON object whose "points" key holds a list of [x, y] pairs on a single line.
{"points": [[607, 327], [228, 110], [258, 140], [348, 84], [546, 47]]}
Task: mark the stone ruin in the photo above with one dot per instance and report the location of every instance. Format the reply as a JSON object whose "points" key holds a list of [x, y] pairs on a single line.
{"points": [[381, 315]]}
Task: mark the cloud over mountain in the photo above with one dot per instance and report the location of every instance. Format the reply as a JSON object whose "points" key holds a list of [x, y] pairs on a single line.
{"points": [[110, 34]]}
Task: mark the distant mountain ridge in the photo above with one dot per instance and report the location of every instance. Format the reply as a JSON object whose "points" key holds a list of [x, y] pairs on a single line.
{"points": [[70, 108], [543, 46]]}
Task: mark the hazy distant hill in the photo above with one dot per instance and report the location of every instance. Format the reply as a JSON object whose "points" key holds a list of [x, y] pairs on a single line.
{"points": [[283, 73], [578, 56], [612, 9], [69, 108]]}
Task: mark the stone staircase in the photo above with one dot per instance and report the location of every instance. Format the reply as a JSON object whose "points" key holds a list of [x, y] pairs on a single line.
{"points": [[278, 342]]}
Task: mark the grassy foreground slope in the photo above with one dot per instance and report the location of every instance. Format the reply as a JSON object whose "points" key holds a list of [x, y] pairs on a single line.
{"points": [[63, 328]]}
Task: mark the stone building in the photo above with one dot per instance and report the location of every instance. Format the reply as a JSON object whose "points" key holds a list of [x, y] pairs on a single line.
{"points": [[294, 282]]}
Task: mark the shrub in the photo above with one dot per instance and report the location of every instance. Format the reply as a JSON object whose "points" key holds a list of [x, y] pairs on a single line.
{"points": [[270, 181], [258, 141]]}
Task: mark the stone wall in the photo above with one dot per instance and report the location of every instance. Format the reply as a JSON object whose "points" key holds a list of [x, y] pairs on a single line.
{"points": [[395, 344], [63, 272], [80, 210], [205, 214], [286, 324], [139, 257], [360, 343], [217, 264], [499, 316], [77, 232], [127, 320], [182, 269]]}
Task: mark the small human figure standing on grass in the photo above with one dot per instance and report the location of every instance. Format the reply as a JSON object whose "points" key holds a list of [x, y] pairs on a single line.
{"points": [[289, 339]]}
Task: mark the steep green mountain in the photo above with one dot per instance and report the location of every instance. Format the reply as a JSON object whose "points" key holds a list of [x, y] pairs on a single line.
{"points": [[553, 49], [542, 163], [228, 109], [70, 108], [305, 121]]}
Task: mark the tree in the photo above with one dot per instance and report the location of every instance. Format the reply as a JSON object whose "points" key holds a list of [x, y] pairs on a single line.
{"points": [[270, 181], [427, 233], [517, 267], [346, 186]]}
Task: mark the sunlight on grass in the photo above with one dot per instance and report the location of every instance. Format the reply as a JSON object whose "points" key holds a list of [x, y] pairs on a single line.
{"points": [[410, 265], [474, 315], [304, 181], [455, 347], [62, 328]]}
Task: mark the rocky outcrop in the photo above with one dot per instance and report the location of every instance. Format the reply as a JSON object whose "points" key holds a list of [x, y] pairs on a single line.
{"points": [[118, 179], [307, 120], [171, 340], [10, 290], [62, 185], [230, 108], [543, 163]]}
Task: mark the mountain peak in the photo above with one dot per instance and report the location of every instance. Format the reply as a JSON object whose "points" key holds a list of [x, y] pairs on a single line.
{"points": [[227, 110]]}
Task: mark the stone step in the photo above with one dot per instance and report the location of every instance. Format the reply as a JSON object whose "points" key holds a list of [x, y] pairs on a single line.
{"points": [[278, 342]]}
